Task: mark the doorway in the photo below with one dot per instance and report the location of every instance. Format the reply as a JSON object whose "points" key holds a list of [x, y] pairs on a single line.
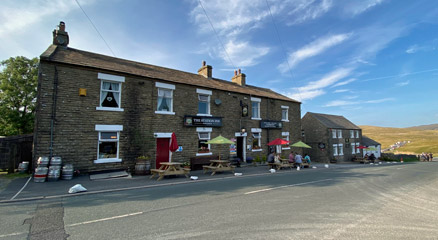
{"points": [[162, 151], [240, 148]]}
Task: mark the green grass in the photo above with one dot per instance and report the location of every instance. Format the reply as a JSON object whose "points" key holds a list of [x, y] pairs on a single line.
{"points": [[5, 175], [420, 140]]}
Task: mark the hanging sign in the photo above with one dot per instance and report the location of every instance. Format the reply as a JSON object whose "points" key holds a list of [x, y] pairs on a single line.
{"points": [[271, 124], [202, 121]]}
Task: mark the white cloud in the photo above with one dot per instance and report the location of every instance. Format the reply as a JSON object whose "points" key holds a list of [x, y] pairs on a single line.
{"points": [[306, 10], [341, 90], [357, 7], [344, 82], [401, 84], [380, 100], [338, 103], [412, 49], [243, 54], [312, 49], [316, 88]]}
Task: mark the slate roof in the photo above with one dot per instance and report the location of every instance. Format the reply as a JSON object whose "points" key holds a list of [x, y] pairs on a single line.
{"points": [[366, 141], [333, 121], [81, 58]]}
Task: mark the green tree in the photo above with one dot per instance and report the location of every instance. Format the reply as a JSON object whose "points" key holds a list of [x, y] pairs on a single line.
{"points": [[18, 88]]}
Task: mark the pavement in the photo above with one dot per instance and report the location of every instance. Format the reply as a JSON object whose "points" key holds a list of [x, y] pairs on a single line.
{"points": [[25, 189]]}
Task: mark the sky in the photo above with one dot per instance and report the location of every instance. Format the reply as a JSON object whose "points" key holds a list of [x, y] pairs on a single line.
{"points": [[374, 62]]}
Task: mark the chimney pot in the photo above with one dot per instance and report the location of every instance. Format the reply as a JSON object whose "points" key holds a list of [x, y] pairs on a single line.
{"points": [[235, 72], [203, 63], [239, 70]]}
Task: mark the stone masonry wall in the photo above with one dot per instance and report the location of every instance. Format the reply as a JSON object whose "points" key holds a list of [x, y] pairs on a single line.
{"points": [[76, 141]]}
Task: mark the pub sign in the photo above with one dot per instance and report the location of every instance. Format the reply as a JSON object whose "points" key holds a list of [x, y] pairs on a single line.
{"points": [[202, 121], [271, 124]]}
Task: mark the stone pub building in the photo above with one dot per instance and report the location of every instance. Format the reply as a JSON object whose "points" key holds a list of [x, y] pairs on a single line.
{"points": [[100, 113]]}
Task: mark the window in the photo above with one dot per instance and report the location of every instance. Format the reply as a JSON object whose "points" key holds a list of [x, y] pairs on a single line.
{"points": [[357, 133], [334, 133], [255, 106], [357, 149], [165, 98], [285, 113], [108, 143], [110, 92], [339, 133], [256, 139], [338, 149], [353, 148], [351, 133], [203, 137], [285, 136], [203, 102]]}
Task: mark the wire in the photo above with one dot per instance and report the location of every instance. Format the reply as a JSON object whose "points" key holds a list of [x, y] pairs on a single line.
{"points": [[282, 46], [95, 28], [217, 36]]}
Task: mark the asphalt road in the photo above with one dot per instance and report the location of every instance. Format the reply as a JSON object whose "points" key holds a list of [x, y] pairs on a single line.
{"points": [[399, 201]]}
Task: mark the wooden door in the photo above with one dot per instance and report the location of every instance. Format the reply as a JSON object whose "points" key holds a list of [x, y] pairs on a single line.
{"points": [[162, 151]]}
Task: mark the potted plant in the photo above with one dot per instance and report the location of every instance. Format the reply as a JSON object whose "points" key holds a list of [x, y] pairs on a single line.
{"points": [[186, 164]]}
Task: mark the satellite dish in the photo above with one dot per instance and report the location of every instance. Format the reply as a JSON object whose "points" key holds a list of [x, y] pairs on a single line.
{"points": [[217, 101]]}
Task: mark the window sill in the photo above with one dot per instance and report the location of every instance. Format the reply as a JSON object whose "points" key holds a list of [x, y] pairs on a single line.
{"points": [[256, 119], [165, 113], [285, 148], [204, 154], [204, 115], [108, 160], [109, 109], [284, 120], [257, 150]]}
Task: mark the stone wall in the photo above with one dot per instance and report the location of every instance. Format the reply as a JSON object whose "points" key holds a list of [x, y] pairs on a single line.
{"points": [[76, 141]]}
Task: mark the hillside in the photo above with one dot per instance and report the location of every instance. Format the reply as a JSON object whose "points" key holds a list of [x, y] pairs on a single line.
{"points": [[420, 140]]}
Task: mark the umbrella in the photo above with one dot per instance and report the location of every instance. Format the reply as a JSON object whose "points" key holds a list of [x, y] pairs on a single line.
{"points": [[220, 140], [278, 141], [173, 144], [362, 147], [300, 144]]}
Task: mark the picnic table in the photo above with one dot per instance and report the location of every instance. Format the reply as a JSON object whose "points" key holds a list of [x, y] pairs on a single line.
{"points": [[218, 166], [282, 163], [169, 168]]}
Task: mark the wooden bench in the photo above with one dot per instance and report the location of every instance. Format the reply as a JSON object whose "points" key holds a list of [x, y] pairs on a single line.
{"points": [[360, 160], [197, 163]]}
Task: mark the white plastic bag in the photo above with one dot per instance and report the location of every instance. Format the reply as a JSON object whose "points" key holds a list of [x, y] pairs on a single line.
{"points": [[298, 168], [237, 174], [194, 177], [77, 188], [272, 170], [326, 166]]}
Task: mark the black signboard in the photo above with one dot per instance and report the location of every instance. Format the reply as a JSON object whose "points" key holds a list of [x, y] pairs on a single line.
{"points": [[201, 121], [271, 124]]}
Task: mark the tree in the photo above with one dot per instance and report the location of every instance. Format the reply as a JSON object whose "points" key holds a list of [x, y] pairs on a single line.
{"points": [[18, 89]]}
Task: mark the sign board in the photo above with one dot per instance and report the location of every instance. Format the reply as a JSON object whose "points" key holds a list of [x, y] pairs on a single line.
{"points": [[271, 124], [202, 121]]}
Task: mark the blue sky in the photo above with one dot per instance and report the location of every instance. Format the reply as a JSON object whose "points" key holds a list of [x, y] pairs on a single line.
{"points": [[373, 61]]}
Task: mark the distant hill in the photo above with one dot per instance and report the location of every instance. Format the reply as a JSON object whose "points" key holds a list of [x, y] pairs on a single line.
{"points": [[422, 138], [426, 127]]}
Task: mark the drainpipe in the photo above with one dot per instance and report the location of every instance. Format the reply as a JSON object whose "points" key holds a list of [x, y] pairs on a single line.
{"points": [[53, 115]]}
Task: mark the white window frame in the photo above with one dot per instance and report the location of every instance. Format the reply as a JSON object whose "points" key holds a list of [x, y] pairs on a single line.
{"points": [[103, 77], [168, 87], [353, 148], [341, 149], [207, 93], [357, 133], [334, 133], [351, 133], [204, 130], [258, 132], [339, 133], [285, 108], [357, 149], [257, 101], [335, 149], [285, 135], [108, 128]]}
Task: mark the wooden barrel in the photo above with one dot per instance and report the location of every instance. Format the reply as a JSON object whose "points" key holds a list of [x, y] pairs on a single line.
{"points": [[140, 168], [40, 174]]}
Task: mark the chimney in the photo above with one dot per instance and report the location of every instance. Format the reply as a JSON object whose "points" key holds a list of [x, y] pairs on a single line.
{"points": [[239, 78], [60, 36], [206, 70]]}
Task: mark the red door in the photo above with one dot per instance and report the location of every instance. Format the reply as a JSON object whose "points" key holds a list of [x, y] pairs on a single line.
{"points": [[162, 151]]}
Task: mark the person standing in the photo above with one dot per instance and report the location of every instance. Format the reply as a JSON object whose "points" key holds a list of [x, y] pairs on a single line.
{"points": [[298, 160]]}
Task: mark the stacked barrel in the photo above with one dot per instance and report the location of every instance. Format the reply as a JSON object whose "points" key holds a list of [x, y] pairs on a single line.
{"points": [[52, 172], [54, 169], [41, 170]]}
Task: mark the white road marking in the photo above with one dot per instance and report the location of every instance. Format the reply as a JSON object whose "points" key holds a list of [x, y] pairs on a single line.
{"points": [[12, 234], [21, 188], [285, 186], [104, 219]]}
